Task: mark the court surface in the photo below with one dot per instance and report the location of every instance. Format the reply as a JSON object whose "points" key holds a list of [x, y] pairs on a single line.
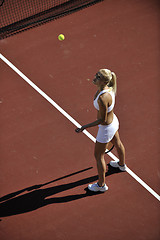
{"points": [[45, 166]]}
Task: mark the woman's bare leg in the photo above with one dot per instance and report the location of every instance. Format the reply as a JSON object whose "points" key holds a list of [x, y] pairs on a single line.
{"points": [[101, 165], [120, 148]]}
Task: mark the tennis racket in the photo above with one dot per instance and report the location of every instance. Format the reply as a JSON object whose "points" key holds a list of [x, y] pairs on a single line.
{"points": [[109, 148]]}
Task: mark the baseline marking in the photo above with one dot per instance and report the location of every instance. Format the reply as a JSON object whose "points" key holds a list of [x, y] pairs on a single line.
{"points": [[74, 122]]}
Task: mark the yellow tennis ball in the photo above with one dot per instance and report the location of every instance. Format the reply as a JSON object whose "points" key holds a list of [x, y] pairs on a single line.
{"points": [[61, 37]]}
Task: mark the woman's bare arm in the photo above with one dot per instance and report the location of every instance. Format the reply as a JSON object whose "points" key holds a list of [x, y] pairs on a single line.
{"points": [[102, 115]]}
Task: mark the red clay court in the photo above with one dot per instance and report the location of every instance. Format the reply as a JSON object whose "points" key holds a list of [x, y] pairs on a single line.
{"points": [[46, 91]]}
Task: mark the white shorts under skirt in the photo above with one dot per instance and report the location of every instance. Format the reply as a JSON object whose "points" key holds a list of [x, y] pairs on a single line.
{"points": [[107, 132]]}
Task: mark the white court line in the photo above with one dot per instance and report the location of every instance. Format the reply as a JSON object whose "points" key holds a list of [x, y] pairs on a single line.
{"points": [[74, 122]]}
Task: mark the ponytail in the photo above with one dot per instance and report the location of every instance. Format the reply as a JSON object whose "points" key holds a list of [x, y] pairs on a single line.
{"points": [[113, 82]]}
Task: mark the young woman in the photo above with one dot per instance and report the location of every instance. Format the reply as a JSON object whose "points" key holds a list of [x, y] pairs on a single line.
{"points": [[108, 124]]}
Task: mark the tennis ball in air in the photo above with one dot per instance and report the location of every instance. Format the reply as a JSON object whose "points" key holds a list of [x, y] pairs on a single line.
{"points": [[61, 37]]}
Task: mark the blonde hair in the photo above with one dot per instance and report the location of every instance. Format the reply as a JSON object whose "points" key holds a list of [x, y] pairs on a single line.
{"points": [[109, 78]]}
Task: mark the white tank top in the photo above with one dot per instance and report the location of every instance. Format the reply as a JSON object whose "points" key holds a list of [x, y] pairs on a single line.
{"points": [[110, 108]]}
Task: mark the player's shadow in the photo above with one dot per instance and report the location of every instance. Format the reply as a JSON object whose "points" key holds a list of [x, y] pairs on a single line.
{"points": [[35, 197]]}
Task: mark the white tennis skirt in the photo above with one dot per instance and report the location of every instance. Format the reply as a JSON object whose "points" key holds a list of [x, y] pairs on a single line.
{"points": [[107, 132]]}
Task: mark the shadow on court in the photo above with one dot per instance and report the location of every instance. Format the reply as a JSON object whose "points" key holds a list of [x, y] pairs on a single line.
{"points": [[35, 197]]}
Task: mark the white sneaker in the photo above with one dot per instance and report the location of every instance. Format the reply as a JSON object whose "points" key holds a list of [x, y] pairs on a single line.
{"points": [[96, 188], [115, 164]]}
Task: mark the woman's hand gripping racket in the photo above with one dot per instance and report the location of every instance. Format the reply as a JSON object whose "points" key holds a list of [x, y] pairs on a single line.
{"points": [[78, 130]]}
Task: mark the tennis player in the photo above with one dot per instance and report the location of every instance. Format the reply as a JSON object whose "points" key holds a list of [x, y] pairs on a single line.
{"points": [[108, 124]]}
